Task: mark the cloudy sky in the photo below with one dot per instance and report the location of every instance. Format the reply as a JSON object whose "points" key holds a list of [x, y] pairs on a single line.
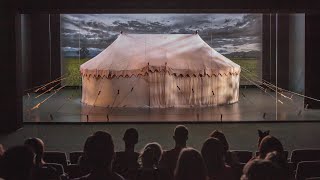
{"points": [[226, 33]]}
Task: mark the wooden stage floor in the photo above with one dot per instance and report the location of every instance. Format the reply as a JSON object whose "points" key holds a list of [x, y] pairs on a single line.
{"points": [[253, 105]]}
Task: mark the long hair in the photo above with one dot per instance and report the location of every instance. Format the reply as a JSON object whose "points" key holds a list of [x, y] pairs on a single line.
{"points": [[151, 154], [37, 145], [190, 166], [222, 138], [213, 154], [269, 144]]}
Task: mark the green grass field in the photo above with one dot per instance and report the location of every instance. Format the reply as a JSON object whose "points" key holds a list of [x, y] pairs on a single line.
{"points": [[248, 64], [72, 68]]}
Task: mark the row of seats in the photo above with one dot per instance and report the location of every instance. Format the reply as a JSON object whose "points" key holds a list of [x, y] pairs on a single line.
{"points": [[303, 162], [305, 167], [244, 156]]}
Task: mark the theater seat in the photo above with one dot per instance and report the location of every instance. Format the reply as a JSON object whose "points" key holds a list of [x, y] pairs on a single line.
{"points": [[55, 157], [58, 167], [74, 156], [243, 156], [299, 155], [60, 170], [308, 169], [74, 171]]}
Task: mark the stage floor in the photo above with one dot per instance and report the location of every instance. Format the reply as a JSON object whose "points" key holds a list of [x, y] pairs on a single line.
{"points": [[253, 105]]}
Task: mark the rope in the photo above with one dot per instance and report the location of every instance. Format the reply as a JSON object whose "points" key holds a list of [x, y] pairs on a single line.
{"points": [[282, 89], [38, 105]]}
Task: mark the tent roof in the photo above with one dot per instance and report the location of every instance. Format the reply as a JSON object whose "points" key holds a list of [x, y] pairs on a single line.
{"points": [[177, 54]]}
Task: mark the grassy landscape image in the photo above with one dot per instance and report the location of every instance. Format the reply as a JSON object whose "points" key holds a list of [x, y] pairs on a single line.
{"points": [[72, 69], [236, 36]]}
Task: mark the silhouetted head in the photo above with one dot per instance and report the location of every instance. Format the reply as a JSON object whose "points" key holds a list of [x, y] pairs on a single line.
{"points": [[99, 150], [190, 166], [131, 136], [213, 155], [151, 154], [269, 144], [17, 163], [37, 146], [259, 169], [222, 138], [262, 135], [181, 135]]}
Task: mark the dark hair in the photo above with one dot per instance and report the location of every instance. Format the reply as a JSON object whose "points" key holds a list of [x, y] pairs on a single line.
{"points": [[152, 152], [213, 154], [17, 163], [181, 134], [99, 150], [190, 166], [131, 136], [37, 145], [222, 138], [1, 150], [269, 144], [259, 169]]}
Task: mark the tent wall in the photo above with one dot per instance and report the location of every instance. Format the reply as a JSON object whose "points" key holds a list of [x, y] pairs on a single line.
{"points": [[160, 90], [109, 96], [172, 91]]}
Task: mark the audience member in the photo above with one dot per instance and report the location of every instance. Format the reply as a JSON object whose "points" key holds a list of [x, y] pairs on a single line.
{"points": [[149, 159], [1, 150], [126, 162], [17, 163], [222, 138], [259, 169], [231, 159], [169, 158], [41, 171], [269, 144], [190, 166], [213, 153], [99, 154]]}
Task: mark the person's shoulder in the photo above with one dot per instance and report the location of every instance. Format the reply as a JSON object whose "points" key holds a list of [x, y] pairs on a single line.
{"points": [[116, 176], [168, 152], [136, 154], [45, 172], [228, 168], [86, 177]]}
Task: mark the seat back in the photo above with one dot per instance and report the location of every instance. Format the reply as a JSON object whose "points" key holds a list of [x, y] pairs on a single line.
{"points": [[74, 156], [243, 156], [307, 169], [55, 157], [74, 171], [58, 167], [299, 155]]}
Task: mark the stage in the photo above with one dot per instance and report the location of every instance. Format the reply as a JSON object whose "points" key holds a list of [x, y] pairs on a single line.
{"points": [[253, 105]]}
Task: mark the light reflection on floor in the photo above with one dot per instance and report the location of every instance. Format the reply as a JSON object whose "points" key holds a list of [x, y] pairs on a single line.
{"points": [[253, 105]]}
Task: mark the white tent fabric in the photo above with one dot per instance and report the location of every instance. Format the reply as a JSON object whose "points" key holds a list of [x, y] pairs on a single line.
{"points": [[159, 70]]}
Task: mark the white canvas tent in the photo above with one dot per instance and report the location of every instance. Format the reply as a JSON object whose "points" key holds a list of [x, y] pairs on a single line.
{"points": [[159, 70]]}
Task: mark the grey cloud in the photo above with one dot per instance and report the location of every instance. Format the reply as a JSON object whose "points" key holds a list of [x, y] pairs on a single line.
{"points": [[223, 31]]}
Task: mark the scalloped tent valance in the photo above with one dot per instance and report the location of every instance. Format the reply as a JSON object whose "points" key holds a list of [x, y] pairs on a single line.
{"points": [[178, 54]]}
